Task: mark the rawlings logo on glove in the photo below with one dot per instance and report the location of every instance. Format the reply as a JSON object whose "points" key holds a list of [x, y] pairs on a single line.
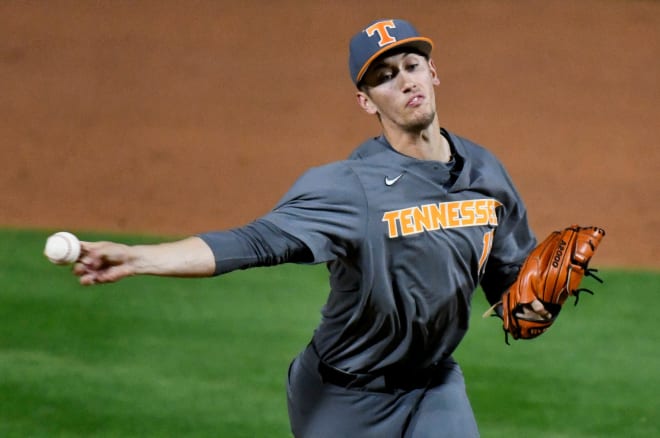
{"points": [[551, 273]]}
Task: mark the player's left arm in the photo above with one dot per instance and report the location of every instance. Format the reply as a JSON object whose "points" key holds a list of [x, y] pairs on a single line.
{"points": [[499, 277], [512, 242]]}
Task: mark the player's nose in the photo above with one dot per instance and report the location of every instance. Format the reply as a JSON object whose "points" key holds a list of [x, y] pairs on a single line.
{"points": [[407, 83]]}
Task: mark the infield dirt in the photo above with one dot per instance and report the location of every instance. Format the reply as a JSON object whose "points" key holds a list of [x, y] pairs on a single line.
{"points": [[161, 118]]}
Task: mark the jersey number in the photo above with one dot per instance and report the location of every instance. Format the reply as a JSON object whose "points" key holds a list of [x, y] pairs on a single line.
{"points": [[488, 244]]}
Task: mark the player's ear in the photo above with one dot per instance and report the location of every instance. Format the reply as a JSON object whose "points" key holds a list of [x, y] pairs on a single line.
{"points": [[434, 73], [365, 103]]}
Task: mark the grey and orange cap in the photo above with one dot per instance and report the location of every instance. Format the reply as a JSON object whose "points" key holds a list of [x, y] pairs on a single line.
{"points": [[379, 37]]}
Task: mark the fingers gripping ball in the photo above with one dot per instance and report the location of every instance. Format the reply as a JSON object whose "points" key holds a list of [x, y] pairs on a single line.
{"points": [[551, 273], [62, 248]]}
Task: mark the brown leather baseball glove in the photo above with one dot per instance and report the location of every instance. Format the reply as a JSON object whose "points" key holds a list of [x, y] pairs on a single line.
{"points": [[551, 273]]}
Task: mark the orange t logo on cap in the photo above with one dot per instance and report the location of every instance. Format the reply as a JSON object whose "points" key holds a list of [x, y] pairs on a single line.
{"points": [[381, 29]]}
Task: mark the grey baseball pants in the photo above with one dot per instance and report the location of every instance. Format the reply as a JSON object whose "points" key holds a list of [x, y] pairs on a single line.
{"points": [[320, 409]]}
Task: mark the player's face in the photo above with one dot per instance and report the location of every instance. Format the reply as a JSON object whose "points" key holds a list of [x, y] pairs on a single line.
{"points": [[400, 89]]}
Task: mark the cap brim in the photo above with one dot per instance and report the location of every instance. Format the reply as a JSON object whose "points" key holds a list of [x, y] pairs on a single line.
{"points": [[424, 45]]}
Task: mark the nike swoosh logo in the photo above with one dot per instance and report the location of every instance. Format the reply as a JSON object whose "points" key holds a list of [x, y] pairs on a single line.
{"points": [[390, 181]]}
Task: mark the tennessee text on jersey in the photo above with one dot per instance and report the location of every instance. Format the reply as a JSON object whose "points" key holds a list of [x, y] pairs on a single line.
{"points": [[431, 217]]}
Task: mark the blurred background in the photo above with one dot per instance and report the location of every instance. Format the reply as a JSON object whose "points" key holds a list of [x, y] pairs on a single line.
{"points": [[132, 119], [177, 117]]}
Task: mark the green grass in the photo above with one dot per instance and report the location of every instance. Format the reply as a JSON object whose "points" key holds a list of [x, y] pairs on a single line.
{"points": [[172, 357], [595, 373]]}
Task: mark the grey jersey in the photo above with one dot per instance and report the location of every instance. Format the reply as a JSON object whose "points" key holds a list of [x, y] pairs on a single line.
{"points": [[406, 242]]}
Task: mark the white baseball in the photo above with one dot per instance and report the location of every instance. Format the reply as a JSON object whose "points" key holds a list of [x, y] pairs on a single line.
{"points": [[62, 248]]}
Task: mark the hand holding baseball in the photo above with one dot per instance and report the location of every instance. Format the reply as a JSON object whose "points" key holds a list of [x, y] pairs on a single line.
{"points": [[103, 262]]}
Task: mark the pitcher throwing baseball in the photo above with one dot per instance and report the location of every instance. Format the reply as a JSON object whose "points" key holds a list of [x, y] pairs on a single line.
{"points": [[409, 226]]}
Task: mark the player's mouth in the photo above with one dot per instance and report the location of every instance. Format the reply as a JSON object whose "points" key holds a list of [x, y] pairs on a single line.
{"points": [[415, 101]]}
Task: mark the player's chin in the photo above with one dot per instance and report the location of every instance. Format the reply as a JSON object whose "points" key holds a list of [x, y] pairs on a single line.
{"points": [[419, 123], [421, 117]]}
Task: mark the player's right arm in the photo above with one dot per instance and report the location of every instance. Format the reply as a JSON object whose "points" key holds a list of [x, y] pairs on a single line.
{"points": [[107, 262], [212, 253]]}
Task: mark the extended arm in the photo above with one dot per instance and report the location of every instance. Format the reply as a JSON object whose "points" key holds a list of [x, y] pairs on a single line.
{"points": [[106, 262], [257, 244]]}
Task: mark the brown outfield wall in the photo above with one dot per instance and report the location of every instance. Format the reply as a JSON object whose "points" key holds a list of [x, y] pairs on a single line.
{"points": [[172, 117]]}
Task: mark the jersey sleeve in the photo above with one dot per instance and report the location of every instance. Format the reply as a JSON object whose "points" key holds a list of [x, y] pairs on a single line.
{"points": [[256, 244], [512, 242], [325, 209]]}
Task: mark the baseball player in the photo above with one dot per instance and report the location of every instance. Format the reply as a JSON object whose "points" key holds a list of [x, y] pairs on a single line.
{"points": [[409, 226]]}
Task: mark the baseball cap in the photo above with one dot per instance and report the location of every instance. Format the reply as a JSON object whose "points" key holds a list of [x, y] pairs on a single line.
{"points": [[380, 37]]}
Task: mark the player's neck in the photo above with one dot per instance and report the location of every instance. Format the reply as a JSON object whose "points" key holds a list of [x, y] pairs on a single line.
{"points": [[427, 144]]}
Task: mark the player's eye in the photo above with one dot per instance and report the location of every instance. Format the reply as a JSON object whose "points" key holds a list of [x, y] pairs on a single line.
{"points": [[412, 66], [385, 76]]}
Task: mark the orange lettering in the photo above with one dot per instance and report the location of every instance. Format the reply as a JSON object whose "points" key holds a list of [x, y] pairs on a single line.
{"points": [[423, 219], [390, 217], [406, 220], [431, 217], [492, 217], [485, 252], [438, 214], [454, 214], [467, 212], [381, 29], [481, 208]]}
